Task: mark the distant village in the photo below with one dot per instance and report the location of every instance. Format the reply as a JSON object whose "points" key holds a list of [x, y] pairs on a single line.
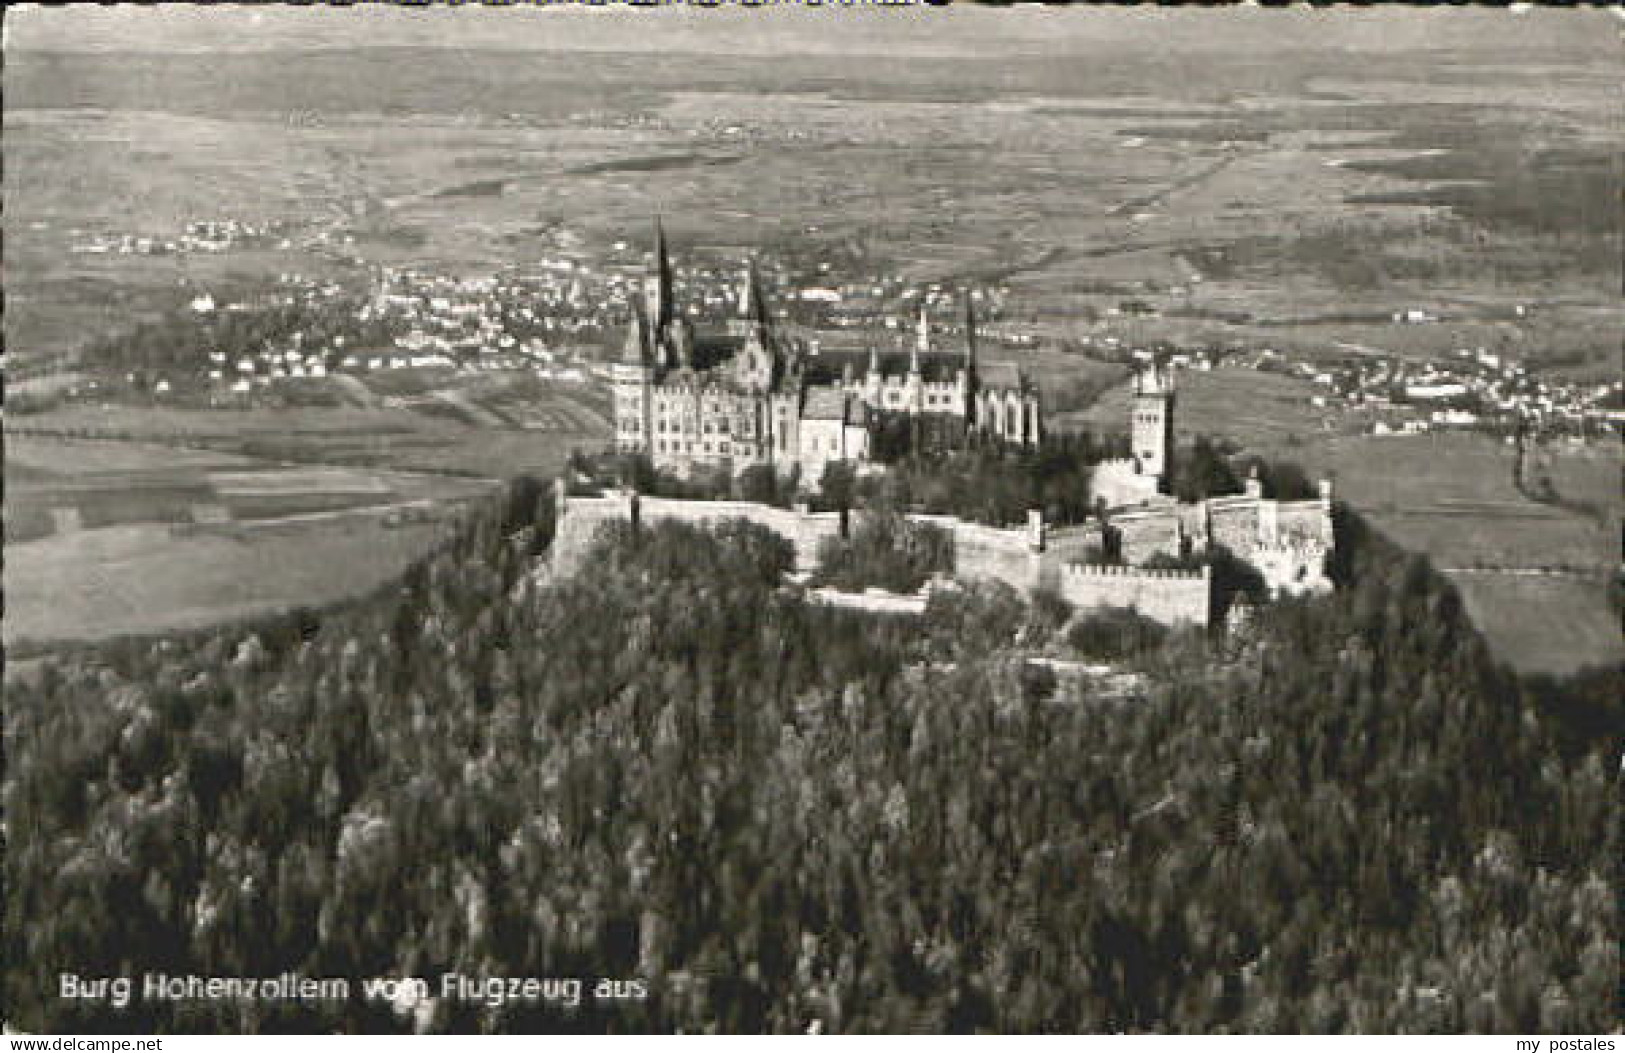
{"points": [[559, 318]]}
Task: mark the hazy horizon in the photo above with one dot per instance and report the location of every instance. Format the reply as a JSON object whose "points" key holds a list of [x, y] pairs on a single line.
{"points": [[901, 31]]}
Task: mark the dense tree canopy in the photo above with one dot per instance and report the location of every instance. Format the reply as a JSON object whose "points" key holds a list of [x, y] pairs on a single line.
{"points": [[786, 817], [885, 551], [996, 484]]}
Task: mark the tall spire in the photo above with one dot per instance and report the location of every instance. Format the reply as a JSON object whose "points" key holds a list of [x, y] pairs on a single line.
{"points": [[971, 392], [752, 302], [658, 285], [922, 342], [970, 335], [747, 290]]}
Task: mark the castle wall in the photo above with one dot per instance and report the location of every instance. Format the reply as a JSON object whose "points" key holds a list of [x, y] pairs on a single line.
{"points": [[1167, 596], [1304, 522], [993, 553], [1021, 557], [1142, 535], [580, 517], [1290, 569], [1119, 482], [874, 601], [578, 523], [1236, 522], [1064, 545], [804, 530]]}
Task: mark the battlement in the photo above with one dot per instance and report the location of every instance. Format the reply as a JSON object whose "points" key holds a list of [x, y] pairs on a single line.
{"points": [[1020, 556], [1167, 596], [1154, 380], [1292, 567], [1097, 570], [1306, 547]]}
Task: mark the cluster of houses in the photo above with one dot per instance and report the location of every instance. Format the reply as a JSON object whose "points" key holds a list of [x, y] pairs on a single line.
{"points": [[555, 316], [1475, 388], [209, 235]]}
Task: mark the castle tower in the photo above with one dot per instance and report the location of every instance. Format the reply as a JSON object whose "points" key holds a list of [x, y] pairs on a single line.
{"points": [[757, 361], [630, 382], [1152, 429]]}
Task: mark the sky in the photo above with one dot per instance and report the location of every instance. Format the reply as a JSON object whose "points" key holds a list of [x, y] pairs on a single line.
{"points": [[898, 30]]}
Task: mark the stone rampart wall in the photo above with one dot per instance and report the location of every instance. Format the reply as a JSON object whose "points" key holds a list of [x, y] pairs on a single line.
{"points": [[1167, 596], [994, 553], [805, 530], [578, 523], [1142, 535]]}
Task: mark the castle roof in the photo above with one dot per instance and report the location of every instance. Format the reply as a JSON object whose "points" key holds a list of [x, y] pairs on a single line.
{"points": [[999, 374], [936, 367], [824, 402], [1305, 519]]}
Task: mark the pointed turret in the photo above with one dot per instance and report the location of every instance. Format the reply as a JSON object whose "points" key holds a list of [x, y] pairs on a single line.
{"points": [[682, 343], [922, 331], [635, 351]]}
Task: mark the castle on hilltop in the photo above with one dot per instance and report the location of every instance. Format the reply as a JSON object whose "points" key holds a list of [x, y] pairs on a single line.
{"points": [[751, 395], [1144, 550]]}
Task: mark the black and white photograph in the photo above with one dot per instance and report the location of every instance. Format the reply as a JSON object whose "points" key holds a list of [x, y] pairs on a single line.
{"points": [[813, 519]]}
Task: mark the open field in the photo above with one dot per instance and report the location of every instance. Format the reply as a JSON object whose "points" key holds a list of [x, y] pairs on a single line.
{"points": [[145, 579], [1545, 625], [1262, 412], [108, 538], [179, 516], [1452, 498], [1274, 196], [387, 437]]}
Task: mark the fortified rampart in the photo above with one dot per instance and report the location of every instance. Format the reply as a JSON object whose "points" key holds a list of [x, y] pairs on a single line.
{"points": [[1025, 558], [1013, 556], [580, 517], [1120, 482], [1292, 568], [1167, 596], [803, 529], [578, 521]]}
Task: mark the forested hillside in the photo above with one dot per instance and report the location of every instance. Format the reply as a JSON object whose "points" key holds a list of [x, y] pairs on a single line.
{"points": [[784, 817]]}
